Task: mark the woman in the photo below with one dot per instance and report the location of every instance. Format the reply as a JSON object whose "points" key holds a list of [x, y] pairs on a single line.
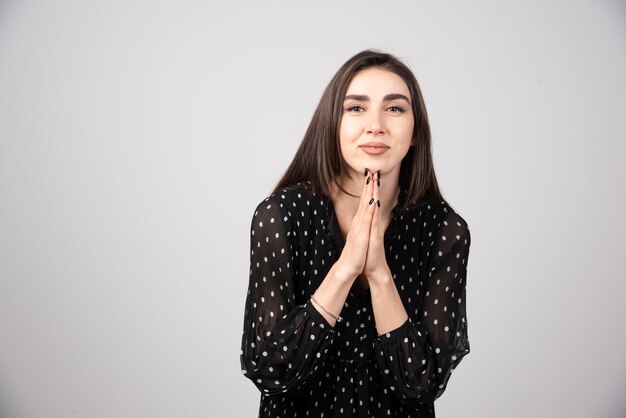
{"points": [[356, 298]]}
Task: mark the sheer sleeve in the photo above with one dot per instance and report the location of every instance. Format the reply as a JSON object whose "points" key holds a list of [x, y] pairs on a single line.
{"points": [[417, 358], [283, 343]]}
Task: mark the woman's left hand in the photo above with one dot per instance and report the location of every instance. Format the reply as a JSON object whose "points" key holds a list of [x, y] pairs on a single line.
{"points": [[376, 268]]}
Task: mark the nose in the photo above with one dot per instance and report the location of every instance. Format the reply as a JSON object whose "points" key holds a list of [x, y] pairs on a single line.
{"points": [[376, 123]]}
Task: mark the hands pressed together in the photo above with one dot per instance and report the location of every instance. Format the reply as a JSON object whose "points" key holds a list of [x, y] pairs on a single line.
{"points": [[364, 250]]}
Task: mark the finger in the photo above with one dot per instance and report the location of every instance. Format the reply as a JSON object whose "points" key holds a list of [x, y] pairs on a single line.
{"points": [[366, 206], [376, 191], [371, 202], [376, 222], [379, 225], [366, 194], [364, 199], [366, 185]]}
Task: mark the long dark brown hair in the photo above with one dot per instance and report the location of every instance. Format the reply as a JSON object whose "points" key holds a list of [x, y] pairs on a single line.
{"points": [[319, 160]]}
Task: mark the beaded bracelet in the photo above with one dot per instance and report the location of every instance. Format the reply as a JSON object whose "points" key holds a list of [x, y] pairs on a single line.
{"points": [[337, 318]]}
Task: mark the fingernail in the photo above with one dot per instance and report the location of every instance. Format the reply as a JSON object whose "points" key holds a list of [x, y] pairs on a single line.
{"points": [[378, 203], [378, 173], [378, 181], [372, 201], [368, 180], [366, 170]]}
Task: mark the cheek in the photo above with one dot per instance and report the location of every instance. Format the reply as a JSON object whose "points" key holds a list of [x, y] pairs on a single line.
{"points": [[348, 130], [346, 127], [408, 131]]}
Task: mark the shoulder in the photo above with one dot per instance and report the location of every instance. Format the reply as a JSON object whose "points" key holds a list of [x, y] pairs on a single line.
{"points": [[442, 210], [440, 220], [285, 201]]}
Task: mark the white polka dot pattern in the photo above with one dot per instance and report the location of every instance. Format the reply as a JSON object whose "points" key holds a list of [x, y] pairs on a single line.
{"points": [[302, 365]]}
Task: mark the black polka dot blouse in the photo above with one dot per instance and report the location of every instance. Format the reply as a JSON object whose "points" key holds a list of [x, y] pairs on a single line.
{"points": [[306, 368]]}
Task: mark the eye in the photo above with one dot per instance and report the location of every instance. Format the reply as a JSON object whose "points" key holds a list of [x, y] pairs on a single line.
{"points": [[353, 108], [399, 109]]}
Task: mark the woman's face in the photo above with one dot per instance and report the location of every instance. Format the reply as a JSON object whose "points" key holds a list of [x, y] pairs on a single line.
{"points": [[376, 112]]}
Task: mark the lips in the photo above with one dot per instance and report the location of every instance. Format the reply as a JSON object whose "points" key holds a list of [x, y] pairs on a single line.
{"points": [[374, 148], [374, 145]]}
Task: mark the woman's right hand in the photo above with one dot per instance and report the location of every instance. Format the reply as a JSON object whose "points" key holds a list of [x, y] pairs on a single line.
{"points": [[352, 259]]}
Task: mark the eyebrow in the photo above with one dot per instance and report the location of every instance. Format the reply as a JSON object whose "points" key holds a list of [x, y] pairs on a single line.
{"points": [[366, 98]]}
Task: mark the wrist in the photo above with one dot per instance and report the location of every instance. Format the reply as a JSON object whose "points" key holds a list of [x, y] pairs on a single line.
{"points": [[343, 273], [380, 277]]}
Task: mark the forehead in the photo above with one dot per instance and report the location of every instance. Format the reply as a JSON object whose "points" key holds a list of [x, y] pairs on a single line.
{"points": [[376, 82]]}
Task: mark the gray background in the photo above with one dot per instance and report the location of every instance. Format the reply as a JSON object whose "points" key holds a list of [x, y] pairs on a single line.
{"points": [[136, 138]]}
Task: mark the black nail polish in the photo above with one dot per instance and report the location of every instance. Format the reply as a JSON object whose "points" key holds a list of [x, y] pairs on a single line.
{"points": [[379, 174], [372, 201], [366, 170], [378, 181], [378, 203], [368, 180]]}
